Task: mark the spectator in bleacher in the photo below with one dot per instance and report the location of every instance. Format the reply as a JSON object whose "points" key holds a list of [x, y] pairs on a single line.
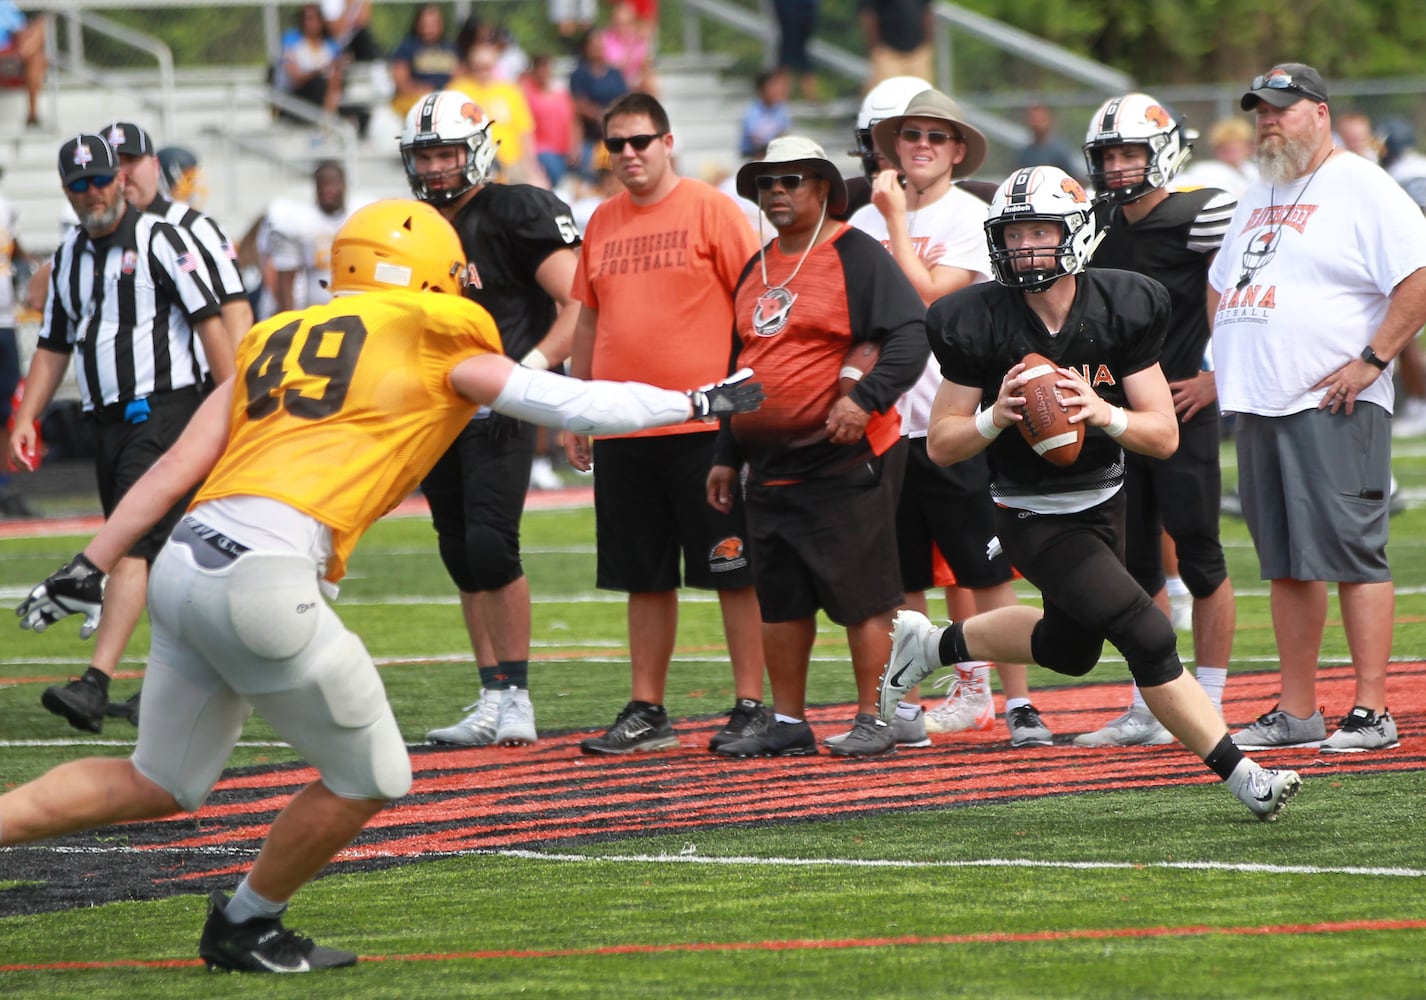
{"points": [[899, 37], [628, 49], [796, 21], [503, 103], [1231, 167], [766, 116], [348, 24], [1046, 148], [511, 62], [594, 85], [424, 61], [556, 125], [572, 19], [12, 503], [22, 56], [311, 65]]}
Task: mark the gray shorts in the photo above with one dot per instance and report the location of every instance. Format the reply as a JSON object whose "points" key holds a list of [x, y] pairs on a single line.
{"points": [[234, 633], [1315, 489]]}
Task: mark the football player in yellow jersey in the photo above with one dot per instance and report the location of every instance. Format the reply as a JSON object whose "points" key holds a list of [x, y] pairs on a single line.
{"points": [[334, 416]]}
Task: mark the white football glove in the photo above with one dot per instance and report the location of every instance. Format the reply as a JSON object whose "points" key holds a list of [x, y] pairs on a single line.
{"points": [[734, 394], [77, 588]]}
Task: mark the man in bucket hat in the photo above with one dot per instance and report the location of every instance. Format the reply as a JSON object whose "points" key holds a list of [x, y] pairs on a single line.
{"points": [[823, 464]]}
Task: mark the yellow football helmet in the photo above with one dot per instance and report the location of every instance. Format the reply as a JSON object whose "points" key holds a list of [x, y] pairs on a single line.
{"points": [[397, 244]]}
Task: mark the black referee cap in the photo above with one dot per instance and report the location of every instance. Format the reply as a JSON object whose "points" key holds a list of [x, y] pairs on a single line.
{"points": [[128, 139], [87, 155]]}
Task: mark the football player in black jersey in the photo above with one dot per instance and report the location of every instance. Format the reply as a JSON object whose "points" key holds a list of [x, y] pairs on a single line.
{"points": [[1133, 149], [1063, 527], [520, 244]]}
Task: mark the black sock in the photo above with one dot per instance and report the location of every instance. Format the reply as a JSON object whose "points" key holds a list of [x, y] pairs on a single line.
{"points": [[490, 678], [647, 708], [953, 645], [514, 673], [98, 678], [1224, 758]]}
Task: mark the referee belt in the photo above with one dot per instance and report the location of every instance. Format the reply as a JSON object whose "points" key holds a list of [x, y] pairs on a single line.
{"points": [[118, 413]]}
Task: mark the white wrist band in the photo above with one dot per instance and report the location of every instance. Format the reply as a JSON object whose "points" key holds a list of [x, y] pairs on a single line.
{"points": [[1118, 421], [855, 374], [985, 424], [536, 359]]}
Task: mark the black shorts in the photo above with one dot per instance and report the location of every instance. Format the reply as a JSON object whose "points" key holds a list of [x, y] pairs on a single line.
{"points": [[829, 544], [651, 506], [1077, 563], [950, 507], [127, 450], [1181, 495], [479, 485]]}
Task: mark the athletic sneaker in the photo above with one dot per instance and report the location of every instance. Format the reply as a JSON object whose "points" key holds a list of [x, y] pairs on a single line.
{"points": [[969, 704], [909, 664], [746, 719], [1263, 791], [636, 730], [80, 702], [1135, 728], [869, 737], [776, 739], [910, 732], [261, 945], [515, 726], [478, 728], [1027, 729], [126, 709], [1362, 729], [1277, 730]]}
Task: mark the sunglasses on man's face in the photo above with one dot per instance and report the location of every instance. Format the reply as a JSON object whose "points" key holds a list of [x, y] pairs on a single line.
{"points": [[84, 183], [789, 182], [615, 144], [934, 138]]}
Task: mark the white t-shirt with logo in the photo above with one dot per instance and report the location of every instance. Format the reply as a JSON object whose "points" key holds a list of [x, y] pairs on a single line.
{"points": [[1306, 273], [949, 232]]}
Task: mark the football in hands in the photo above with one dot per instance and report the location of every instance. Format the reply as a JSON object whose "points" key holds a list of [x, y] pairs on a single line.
{"points": [[858, 360], [1046, 427]]}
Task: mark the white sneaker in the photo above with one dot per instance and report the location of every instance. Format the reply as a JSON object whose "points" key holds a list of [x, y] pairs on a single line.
{"points": [[543, 475], [1135, 728], [516, 725], [1409, 419], [968, 704], [909, 664], [478, 728], [1181, 612]]}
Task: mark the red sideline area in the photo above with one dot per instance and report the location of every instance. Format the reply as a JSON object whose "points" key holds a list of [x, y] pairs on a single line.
{"points": [[413, 506]]}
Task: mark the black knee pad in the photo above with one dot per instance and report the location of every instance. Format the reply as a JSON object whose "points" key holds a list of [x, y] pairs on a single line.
{"points": [[1201, 565], [1149, 645], [484, 561], [1073, 656]]}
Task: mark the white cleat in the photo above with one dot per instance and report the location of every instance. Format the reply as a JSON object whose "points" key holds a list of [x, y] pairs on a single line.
{"points": [[909, 665]]}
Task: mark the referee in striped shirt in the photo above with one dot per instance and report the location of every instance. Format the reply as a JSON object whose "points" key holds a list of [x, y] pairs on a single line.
{"points": [[129, 297], [219, 254]]}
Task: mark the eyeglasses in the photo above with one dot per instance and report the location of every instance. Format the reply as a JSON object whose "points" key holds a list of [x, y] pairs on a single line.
{"points": [[615, 144], [789, 182], [934, 138], [84, 183]]}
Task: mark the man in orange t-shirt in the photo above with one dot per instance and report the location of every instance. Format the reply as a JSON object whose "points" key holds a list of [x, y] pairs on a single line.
{"points": [[656, 282]]}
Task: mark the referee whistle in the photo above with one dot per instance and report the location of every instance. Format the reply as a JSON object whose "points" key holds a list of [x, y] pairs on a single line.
{"points": [[137, 411]]}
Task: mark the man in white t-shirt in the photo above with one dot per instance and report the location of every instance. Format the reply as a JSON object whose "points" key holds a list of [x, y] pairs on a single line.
{"points": [[298, 239], [1320, 283], [935, 231]]}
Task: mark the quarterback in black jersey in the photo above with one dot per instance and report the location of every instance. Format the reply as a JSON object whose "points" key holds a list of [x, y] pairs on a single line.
{"points": [[1133, 148], [520, 245], [1063, 527]]}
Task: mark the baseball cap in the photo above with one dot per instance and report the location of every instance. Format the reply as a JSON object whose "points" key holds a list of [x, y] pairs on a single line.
{"points": [[128, 139], [1284, 85], [87, 155]]}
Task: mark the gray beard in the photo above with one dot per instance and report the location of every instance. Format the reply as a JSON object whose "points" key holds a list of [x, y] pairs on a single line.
{"points": [[101, 222], [1284, 163]]}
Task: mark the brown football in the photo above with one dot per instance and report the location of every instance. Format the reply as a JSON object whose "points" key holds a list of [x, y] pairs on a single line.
{"points": [[859, 358], [1046, 427]]}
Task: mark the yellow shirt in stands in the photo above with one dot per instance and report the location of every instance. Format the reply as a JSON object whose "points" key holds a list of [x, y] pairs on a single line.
{"points": [[340, 410], [509, 113]]}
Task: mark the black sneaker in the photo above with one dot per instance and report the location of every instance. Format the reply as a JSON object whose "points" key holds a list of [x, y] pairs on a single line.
{"points": [[261, 945], [128, 709], [635, 730], [1027, 729], [80, 701], [746, 719], [776, 739], [13, 504]]}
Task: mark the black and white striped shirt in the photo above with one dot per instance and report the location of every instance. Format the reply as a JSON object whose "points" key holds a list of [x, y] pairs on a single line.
{"points": [[218, 253], [125, 304]]}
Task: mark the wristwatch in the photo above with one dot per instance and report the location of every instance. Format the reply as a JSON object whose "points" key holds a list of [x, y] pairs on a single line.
{"points": [[1369, 356]]}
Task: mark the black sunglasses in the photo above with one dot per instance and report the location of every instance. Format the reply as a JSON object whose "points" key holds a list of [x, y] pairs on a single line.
{"points": [[1279, 80], [84, 183], [934, 138], [615, 144], [789, 182]]}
